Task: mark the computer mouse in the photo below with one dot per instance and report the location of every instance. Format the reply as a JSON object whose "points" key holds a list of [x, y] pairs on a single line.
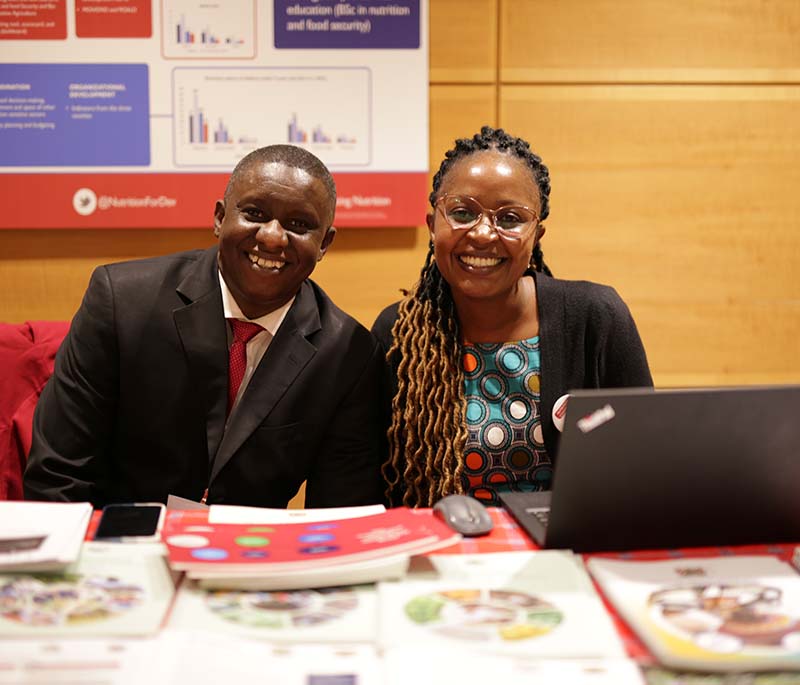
{"points": [[464, 514]]}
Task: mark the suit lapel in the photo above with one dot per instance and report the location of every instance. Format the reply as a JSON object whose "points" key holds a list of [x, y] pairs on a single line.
{"points": [[285, 358], [203, 333]]}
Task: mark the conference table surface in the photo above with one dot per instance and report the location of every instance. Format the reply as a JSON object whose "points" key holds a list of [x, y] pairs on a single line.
{"points": [[508, 536]]}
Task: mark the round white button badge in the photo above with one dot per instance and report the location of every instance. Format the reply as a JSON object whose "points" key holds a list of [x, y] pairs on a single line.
{"points": [[560, 412]]}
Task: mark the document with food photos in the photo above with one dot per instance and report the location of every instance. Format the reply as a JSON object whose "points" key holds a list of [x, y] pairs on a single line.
{"points": [[536, 604], [730, 613], [114, 589], [335, 614]]}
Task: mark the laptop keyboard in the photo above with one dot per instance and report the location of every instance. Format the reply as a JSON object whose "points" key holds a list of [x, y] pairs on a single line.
{"points": [[531, 510], [542, 514]]}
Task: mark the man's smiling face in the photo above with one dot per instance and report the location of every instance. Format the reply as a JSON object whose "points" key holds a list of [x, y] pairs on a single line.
{"points": [[274, 225]]}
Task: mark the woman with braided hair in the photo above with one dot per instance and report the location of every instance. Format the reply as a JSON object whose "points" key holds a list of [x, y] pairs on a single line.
{"points": [[487, 341]]}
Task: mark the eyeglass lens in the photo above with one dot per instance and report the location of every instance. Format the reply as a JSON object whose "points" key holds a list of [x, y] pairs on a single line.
{"points": [[463, 213]]}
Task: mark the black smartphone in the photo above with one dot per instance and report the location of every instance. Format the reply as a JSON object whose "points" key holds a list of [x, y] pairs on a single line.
{"points": [[139, 522]]}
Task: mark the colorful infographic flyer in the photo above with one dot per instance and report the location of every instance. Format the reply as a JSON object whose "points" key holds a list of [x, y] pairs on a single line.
{"points": [[132, 113]]}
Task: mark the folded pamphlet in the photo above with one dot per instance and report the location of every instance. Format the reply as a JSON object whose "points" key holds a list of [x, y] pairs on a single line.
{"points": [[41, 536]]}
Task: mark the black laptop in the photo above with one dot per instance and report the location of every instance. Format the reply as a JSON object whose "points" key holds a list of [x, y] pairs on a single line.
{"points": [[643, 469]]}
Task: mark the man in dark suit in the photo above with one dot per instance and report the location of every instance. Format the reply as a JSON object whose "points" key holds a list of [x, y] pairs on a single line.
{"points": [[144, 401]]}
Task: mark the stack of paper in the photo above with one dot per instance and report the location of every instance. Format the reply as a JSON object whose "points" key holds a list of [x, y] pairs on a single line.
{"points": [[309, 553], [41, 536]]}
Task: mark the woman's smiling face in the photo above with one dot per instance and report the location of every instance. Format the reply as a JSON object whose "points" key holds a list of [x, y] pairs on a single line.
{"points": [[480, 262]]}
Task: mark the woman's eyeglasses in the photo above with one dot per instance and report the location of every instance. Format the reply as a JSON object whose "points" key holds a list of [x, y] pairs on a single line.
{"points": [[463, 213]]}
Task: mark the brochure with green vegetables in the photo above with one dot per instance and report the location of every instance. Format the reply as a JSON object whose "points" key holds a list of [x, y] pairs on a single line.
{"points": [[532, 603]]}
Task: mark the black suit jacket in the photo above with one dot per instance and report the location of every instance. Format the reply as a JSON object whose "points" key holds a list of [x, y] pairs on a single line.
{"points": [[135, 409]]}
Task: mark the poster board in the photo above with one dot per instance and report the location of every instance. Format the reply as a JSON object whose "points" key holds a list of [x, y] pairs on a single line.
{"points": [[132, 113]]}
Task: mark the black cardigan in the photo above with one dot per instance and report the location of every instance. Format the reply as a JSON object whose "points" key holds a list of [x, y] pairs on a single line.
{"points": [[587, 339]]}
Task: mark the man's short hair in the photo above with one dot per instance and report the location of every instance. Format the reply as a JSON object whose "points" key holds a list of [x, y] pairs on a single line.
{"points": [[290, 155]]}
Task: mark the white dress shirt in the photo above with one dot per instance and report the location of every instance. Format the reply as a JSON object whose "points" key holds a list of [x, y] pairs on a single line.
{"points": [[258, 344]]}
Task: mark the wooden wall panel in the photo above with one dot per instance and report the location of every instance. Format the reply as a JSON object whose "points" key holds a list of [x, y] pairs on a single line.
{"points": [[458, 112], [650, 40], [463, 41], [684, 198], [43, 274], [732, 341], [366, 268]]}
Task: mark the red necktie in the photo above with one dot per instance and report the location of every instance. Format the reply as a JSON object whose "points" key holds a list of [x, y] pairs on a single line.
{"points": [[237, 356]]}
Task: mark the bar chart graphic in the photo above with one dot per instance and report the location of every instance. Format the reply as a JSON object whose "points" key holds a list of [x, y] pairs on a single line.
{"points": [[186, 35], [213, 128], [202, 131], [298, 135], [192, 28]]}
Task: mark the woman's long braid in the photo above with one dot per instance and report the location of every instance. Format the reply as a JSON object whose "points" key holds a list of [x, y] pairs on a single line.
{"points": [[425, 442], [428, 432], [537, 261]]}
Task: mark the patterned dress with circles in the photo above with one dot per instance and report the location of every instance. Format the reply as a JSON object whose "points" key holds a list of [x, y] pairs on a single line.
{"points": [[505, 447]]}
